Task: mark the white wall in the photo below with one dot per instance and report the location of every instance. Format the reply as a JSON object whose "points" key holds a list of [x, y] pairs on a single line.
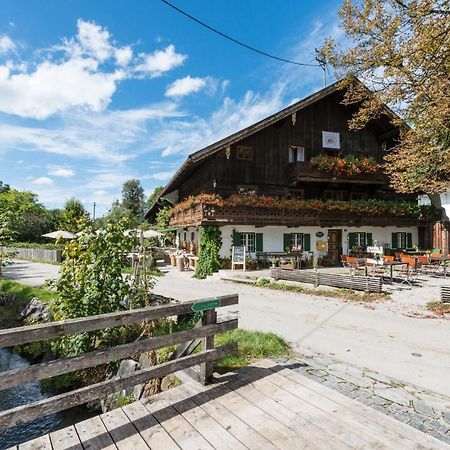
{"points": [[273, 236]]}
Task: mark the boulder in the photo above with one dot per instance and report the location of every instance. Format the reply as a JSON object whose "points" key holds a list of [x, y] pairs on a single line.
{"points": [[36, 312]]}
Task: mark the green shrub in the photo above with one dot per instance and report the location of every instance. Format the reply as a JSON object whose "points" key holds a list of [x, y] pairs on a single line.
{"points": [[210, 244]]}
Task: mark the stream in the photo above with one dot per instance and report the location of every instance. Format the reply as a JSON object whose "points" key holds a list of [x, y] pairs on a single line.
{"points": [[28, 393]]}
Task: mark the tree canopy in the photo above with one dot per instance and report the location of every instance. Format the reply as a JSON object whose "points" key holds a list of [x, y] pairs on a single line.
{"points": [[133, 197], [401, 51]]}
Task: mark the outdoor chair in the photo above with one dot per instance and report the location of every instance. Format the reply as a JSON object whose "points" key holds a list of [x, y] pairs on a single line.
{"points": [[389, 258], [408, 274], [399, 256], [353, 265], [345, 262]]}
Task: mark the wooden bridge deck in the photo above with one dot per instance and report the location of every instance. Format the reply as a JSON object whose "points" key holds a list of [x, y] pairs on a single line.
{"points": [[263, 406]]}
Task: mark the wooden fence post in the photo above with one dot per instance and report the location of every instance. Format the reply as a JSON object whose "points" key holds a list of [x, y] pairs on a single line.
{"points": [[209, 317], [316, 279]]}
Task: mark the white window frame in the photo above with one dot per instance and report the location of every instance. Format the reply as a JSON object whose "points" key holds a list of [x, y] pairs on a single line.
{"points": [[297, 240], [360, 239], [248, 240], [401, 240], [296, 153]]}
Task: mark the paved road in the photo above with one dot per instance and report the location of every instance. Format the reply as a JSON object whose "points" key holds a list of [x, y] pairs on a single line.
{"points": [[30, 273], [409, 349], [413, 350]]}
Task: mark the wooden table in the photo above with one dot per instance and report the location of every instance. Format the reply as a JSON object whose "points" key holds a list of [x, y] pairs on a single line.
{"points": [[444, 260], [390, 264]]}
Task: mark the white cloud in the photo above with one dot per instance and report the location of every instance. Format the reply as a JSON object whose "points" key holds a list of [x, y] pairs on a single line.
{"points": [[54, 88], [94, 40], [160, 61], [123, 55], [161, 176], [6, 44], [187, 85], [43, 181], [61, 171]]}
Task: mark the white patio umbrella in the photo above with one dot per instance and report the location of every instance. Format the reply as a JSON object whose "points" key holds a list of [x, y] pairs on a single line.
{"points": [[145, 233], [60, 234]]}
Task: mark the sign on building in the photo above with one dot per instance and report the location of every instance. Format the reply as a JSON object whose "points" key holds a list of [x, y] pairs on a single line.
{"points": [[238, 255]]}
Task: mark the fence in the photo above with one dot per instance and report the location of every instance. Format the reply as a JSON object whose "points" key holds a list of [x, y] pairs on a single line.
{"points": [[359, 283], [34, 254], [184, 358], [445, 294]]}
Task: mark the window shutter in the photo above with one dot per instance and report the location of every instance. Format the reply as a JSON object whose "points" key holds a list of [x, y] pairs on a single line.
{"points": [[259, 242], [351, 240], [408, 240], [237, 240], [307, 242], [286, 242], [369, 240], [394, 240]]}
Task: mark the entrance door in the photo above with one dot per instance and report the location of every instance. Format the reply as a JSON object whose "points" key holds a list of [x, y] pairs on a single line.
{"points": [[334, 245]]}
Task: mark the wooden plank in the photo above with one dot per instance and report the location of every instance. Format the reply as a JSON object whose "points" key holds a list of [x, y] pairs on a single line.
{"points": [[274, 431], [67, 400], [363, 418], [22, 335], [186, 436], [235, 426], [94, 435], [40, 443], [49, 369], [66, 439], [318, 423], [287, 417], [149, 428], [207, 426], [207, 368], [122, 431]]}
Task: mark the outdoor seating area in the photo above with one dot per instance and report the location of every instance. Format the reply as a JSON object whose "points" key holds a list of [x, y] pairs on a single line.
{"points": [[402, 268], [182, 260]]}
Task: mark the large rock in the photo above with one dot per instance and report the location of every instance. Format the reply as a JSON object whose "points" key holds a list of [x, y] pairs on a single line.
{"points": [[36, 312], [112, 401]]}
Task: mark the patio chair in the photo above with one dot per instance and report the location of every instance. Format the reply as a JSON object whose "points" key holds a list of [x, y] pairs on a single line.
{"points": [[424, 265], [388, 258], [344, 261], [399, 256], [408, 274], [354, 265]]}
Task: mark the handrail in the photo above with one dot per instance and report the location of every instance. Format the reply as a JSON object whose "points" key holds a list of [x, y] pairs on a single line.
{"points": [[203, 333]]}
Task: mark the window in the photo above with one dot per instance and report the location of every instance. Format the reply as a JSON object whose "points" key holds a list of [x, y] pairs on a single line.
{"points": [[401, 240], [358, 196], [248, 241], [192, 236], [334, 195], [245, 189], [296, 153], [298, 194], [360, 239], [297, 241], [244, 153]]}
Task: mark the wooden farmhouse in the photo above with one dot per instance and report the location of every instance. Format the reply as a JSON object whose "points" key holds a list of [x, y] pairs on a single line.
{"points": [[299, 179]]}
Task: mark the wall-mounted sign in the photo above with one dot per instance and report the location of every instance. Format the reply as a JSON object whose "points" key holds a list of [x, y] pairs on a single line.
{"points": [[319, 234], [375, 250], [321, 246], [330, 140], [238, 256]]}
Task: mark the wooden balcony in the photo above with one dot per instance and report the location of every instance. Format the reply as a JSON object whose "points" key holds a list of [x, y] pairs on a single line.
{"points": [[302, 171], [203, 214]]}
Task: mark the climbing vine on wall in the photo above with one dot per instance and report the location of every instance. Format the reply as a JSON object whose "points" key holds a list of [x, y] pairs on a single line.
{"points": [[210, 244]]}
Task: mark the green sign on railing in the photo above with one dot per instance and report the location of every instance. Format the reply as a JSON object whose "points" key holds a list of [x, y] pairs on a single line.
{"points": [[205, 305]]}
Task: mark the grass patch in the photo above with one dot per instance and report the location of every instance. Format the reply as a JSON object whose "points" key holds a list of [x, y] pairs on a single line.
{"points": [[439, 308], [10, 309], [154, 272], [346, 294], [251, 345]]}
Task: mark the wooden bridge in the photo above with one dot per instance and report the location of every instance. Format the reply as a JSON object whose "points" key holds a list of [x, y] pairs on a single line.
{"points": [[263, 406]]}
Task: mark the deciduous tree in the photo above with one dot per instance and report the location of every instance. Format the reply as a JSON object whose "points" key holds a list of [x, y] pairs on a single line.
{"points": [[401, 50]]}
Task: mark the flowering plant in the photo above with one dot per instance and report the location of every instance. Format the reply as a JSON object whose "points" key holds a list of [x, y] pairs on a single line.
{"points": [[349, 166], [355, 207]]}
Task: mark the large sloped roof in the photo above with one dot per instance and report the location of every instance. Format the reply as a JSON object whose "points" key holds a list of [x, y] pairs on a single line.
{"points": [[195, 158]]}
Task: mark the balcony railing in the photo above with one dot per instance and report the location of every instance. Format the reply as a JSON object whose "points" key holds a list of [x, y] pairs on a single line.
{"points": [[302, 171], [204, 214]]}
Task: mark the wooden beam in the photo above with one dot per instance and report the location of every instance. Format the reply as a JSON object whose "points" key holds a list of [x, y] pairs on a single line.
{"points": [[50, 369], [23, 335], [23, 414]]}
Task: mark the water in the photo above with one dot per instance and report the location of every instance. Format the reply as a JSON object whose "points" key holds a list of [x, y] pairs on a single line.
{"points": [[25, 394]]}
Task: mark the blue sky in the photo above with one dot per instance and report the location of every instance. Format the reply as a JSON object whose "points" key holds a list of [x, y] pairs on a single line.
{"points": [[95, 92]]}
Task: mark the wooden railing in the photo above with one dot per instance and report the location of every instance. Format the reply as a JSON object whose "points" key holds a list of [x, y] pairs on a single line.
{"points": [[34, 254], [303, 171], [184, 358], [204, 214], [358, 283]]}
